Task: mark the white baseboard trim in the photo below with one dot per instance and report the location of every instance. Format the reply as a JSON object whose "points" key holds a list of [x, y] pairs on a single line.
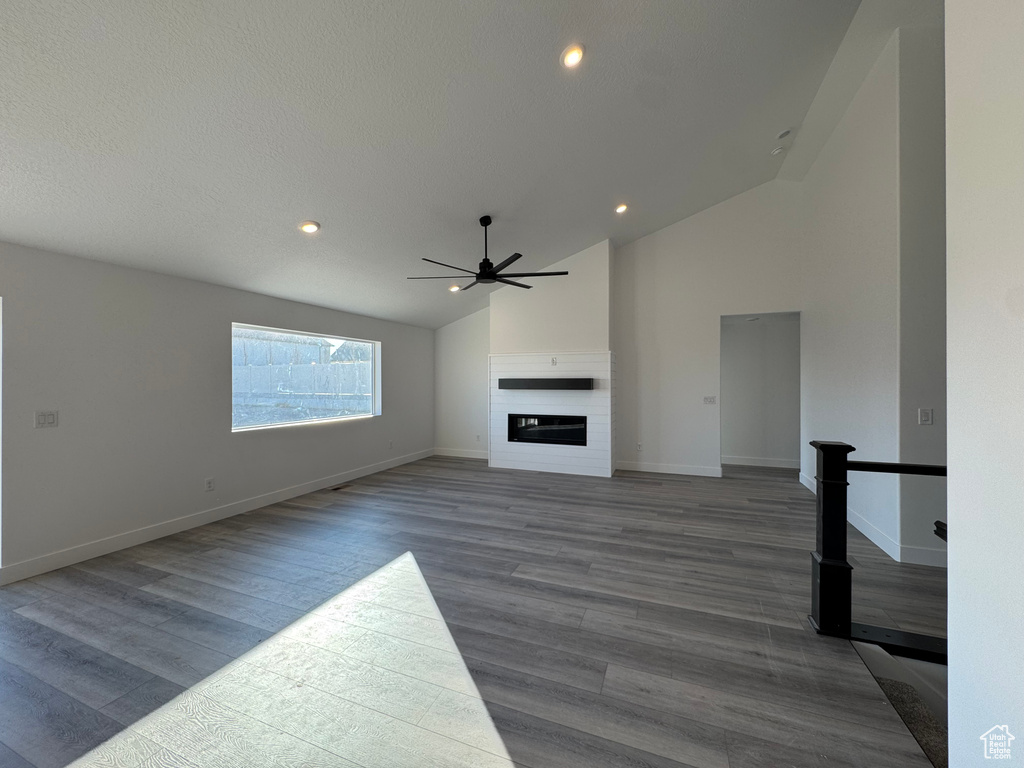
{"points": [[460, 453], [670, 469], [901, 554], [877, 537], [753, 461], [49, 562], [923, 556]]}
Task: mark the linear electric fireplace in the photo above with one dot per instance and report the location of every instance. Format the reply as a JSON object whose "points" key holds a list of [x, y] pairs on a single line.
{"points": [[555, 430]]}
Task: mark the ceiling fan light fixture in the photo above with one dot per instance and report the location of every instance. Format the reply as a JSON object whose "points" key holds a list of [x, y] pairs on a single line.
{"points": [[487, 273], [572, 56], [310, 227]]}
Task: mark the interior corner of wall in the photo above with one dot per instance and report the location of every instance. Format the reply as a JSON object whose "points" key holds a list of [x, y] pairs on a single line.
{"points": [[877, 536], [935, 557]]}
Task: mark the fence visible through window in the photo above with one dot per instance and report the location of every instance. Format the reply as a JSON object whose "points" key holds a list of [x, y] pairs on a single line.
{"points": [[287, 377]]}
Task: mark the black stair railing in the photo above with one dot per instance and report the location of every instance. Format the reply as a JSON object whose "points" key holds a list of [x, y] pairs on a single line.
{"points": [[831, 572]]}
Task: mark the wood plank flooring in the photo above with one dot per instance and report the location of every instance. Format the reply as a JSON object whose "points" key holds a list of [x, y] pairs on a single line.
{"points": [[641, 620]]}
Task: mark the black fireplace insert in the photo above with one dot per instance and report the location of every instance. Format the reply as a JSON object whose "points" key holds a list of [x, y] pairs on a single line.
{"points": [[555, 430]]}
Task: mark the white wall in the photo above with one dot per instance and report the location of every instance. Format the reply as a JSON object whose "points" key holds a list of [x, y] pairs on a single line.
{"points": [[985, 189], [831, 247], [671, 289], [874, 346], [597, 405], [850, 339], [760, 402], [1, 428], [922, 279], [460, 376], [138, 364], [558, 314]]}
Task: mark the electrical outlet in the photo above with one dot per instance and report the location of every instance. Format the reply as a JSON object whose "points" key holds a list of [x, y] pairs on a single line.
{"points": [[554, 361], [710, 399], [208, 484], [926, 416], [639, 447], [391, 444], [46, 419], [478, 438]]}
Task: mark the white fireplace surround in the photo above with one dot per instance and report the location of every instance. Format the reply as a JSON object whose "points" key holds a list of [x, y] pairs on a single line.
{"points": [[595, 458]]}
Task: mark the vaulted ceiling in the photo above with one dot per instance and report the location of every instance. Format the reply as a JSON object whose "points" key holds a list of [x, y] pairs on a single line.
{"points": [[191, 138]]}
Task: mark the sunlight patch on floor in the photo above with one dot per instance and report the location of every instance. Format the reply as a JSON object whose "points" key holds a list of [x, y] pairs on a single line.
{"points": [[370, 678]]}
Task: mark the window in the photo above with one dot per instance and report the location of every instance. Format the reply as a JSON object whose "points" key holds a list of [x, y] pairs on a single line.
{"points": [[289, 377]]}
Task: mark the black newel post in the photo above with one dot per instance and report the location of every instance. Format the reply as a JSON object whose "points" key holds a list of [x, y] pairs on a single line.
{"points": [[831, 575]]}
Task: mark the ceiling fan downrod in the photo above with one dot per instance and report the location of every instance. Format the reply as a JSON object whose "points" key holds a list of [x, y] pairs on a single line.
{"points": [[485, 265]]}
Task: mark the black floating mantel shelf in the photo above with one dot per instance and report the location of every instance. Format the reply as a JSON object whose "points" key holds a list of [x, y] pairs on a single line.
{"points": [[548, 383]]}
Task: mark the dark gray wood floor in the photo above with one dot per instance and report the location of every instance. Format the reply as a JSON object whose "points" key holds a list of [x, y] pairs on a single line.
{"points": [[642, 620]]}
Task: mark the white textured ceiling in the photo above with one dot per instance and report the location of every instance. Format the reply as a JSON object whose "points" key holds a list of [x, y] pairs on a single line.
{"points": [[191, 137]]}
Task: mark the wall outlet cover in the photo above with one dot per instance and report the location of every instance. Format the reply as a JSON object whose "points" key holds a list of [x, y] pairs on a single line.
{"points": [[710, 399]]}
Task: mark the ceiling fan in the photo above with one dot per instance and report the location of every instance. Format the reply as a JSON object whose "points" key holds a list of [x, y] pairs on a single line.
{"points": [[488, 272]]}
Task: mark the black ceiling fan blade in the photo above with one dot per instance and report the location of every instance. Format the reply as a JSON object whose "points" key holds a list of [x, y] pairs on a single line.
{"points": [[509, 260], [510, 282], [467, 287], [534, 274], [438, 277], [450, 266]]}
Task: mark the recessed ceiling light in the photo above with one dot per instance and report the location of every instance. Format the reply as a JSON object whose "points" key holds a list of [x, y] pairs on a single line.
{"points": [[572, 56], [454, 289], [778, 150], [622, 208], [753, 319], [309, 227], [784, 134]]}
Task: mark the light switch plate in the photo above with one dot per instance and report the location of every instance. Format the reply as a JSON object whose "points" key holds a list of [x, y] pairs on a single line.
{"points": [[926, 416], [46, 419], [710, 399]]}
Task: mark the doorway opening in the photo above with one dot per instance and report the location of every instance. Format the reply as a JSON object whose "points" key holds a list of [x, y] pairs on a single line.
{"points": [[760, 390]]}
